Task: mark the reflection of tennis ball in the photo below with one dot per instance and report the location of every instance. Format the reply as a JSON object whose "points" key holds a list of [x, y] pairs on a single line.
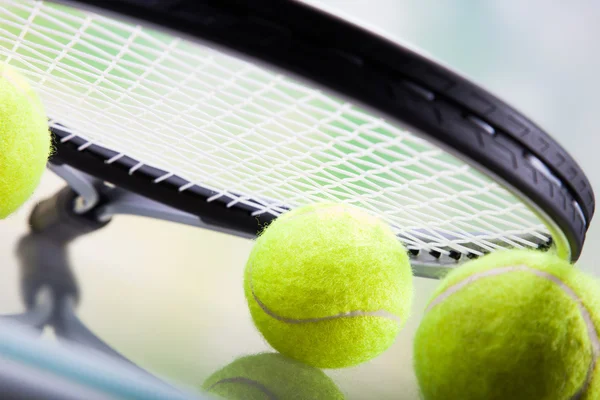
{"points": [[24, 140], [329, 285], [511, 325], [271, 376]]}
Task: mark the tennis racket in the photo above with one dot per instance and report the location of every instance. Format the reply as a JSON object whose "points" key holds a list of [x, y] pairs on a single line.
{"points": [[224, 115]]}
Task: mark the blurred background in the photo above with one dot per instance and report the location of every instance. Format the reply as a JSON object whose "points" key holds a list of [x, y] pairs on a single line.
{"points": [[170, 297]]}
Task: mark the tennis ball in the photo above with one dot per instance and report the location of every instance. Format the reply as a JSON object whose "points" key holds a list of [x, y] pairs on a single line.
{"points": [[511, 325], [329, 285], [24, 140], [271, 376]]}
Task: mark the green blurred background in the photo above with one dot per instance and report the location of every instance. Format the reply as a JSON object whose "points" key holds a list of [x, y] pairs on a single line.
{"points": [[170, 297]]}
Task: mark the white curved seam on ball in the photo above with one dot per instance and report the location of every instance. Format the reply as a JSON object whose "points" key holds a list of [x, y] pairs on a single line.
{"points": [[591, 329], [347, 314], [247, 381]]}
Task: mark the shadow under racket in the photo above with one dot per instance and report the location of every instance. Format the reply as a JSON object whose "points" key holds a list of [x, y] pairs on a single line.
{"points": [[49, 288], [85, 367]]}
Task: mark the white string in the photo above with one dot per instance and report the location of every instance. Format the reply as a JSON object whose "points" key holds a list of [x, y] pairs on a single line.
{"points": [[253, 137]]}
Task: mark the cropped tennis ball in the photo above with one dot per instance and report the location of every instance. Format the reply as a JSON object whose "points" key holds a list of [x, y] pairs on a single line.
{"points": [[511, 325], [24, 140], [329, 285], [271, 376]]}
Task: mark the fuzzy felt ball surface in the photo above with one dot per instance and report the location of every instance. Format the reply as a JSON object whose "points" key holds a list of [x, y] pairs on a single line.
{"points": [[511, 325], [329, 285], [24, 140]]}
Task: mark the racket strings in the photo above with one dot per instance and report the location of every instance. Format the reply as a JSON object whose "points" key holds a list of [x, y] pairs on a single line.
{"points": [[253, 137]]}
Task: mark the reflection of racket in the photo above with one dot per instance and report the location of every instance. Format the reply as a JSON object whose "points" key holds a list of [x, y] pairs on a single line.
{"points": [[224, 115], [34, 369]]}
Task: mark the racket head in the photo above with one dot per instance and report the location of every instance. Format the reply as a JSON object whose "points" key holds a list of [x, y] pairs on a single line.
{"points": [[237, 113]]}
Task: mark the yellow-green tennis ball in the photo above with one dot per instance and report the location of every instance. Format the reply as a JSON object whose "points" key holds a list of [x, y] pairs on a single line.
{"points": [[329, 285], [24, 140], [511, 325], [271, 376]]}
